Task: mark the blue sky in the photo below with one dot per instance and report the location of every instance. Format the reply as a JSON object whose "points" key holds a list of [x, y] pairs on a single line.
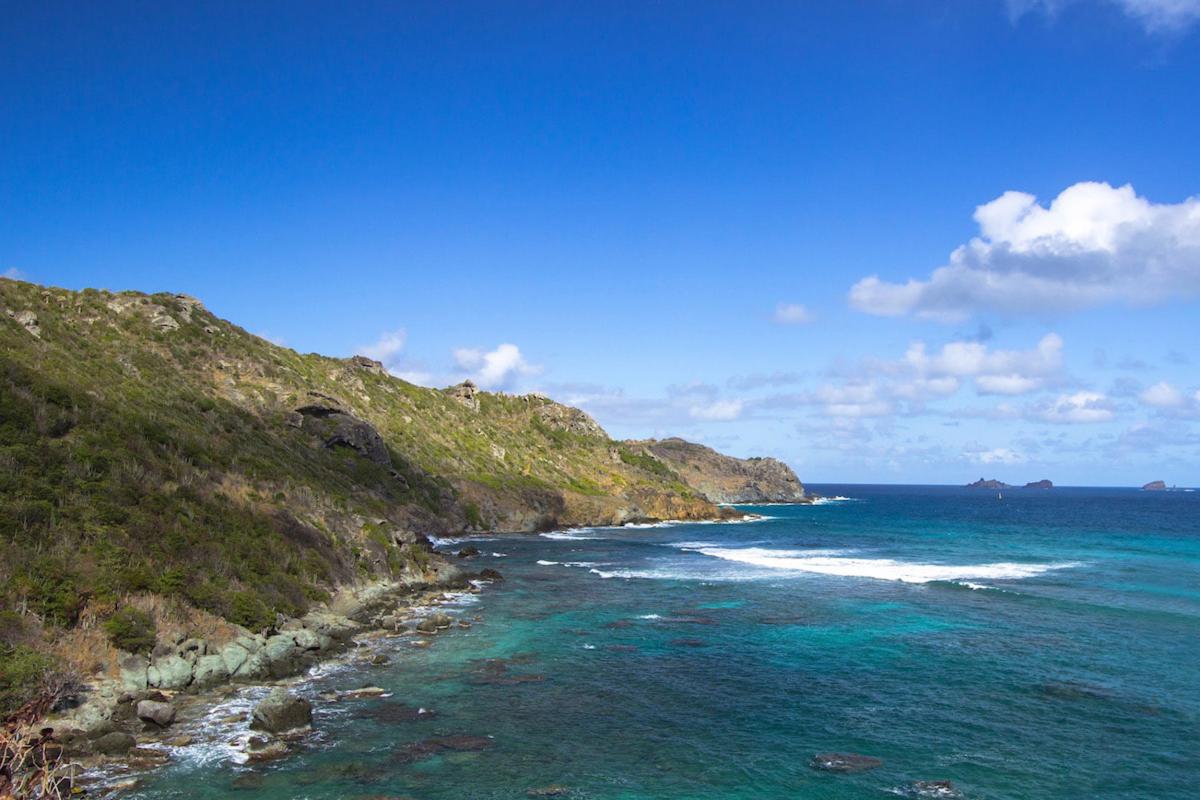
{"points": [[896, 242]]}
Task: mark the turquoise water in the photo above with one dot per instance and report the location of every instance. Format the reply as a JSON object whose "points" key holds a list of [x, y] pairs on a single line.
{"points": [[1046, 645]]}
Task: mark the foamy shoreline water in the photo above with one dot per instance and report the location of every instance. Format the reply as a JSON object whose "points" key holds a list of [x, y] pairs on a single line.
{"points": [[220, 733]]}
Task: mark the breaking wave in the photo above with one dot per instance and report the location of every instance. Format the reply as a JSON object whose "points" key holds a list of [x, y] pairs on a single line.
{"points": [[823, 563]]}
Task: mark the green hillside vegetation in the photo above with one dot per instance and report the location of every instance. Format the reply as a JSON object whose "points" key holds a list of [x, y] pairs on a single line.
{"points": [[148, 447]]}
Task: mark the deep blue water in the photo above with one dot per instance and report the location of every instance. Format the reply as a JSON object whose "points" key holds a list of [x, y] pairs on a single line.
{"points": [[1043, 645]]}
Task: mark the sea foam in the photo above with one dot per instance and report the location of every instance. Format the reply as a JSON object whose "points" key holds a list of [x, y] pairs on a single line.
{"points": [[879, 568]]}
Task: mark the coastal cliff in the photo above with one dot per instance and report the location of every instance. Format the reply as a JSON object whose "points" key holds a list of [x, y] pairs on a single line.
{"points": [[164, 473], [725, 479]]}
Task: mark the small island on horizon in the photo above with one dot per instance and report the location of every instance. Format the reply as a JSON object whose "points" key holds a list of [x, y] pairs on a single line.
{"points": [[992, 483]]}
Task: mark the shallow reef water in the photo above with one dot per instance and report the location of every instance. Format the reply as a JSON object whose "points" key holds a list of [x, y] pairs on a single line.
{"points": [[1041, 646]]}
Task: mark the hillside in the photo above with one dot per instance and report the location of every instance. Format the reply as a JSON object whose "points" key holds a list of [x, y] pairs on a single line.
{"points": [[725, 479], [151, 449]]}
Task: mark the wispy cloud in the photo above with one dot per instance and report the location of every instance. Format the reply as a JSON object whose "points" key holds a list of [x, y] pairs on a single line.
{"points": [[1080, 407], [1094, 244], [387, 348], [1156, 16], [996, 455], [792, 314], [721, 410]]}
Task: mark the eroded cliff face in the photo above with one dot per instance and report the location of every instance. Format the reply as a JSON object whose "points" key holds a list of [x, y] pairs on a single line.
{"points": [[725, 479]]}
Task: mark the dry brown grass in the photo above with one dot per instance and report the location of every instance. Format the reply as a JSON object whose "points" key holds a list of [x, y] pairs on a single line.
{"points": [[86, 650]]}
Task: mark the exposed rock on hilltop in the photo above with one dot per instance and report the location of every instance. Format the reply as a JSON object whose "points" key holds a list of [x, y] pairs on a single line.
{"points": [[991, 483], [725, 479], [465, 393]]}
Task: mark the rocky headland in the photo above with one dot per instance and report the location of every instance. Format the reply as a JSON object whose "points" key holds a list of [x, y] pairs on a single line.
{"points": [[185, 506], [725, 479]]}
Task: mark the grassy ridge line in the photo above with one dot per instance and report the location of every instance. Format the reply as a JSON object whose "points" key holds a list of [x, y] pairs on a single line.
{"points": [[148, 447]]}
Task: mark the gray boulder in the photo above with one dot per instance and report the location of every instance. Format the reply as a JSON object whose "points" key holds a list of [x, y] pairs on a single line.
{"points": [[435, 622], [251, 662], [306, 639], [152, 711], [265, 748], [114, 743], [133, 672], [171, 672], [209, 671], [282, 655], [244, 658], [280, 712], [233, 655], [337, 628]]}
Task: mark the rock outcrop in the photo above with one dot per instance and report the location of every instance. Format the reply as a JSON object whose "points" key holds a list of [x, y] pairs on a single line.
{"points": [[844, 762], [725, 479], [466, 393], [1042, 484], [1155, 486], [281, 712], [339, 428], [156, 712], [368, 365], [566, 418]]}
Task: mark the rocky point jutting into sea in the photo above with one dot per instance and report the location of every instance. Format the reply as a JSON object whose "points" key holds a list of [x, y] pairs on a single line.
{"points": [[187, 505]]}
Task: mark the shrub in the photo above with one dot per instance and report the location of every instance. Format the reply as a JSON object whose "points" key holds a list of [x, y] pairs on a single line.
{"points": [[132, 630], [52, 590], [23, 675], [250, 612]]}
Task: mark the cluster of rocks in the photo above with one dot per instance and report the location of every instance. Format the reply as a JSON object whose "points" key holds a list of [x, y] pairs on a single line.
{"points": [[568, 418], [27, 320], [194, 665], [466, 393], [850, 763]]}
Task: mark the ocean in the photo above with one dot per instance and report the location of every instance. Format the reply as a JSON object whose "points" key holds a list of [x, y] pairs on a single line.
{"points": [[1040, 646]]}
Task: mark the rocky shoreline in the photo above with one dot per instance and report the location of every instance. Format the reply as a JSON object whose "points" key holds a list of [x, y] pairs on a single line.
{"points": [[235, 695]]}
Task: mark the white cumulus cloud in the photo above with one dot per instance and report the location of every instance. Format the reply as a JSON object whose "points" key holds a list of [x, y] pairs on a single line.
{"points": [[1077, 407], [1163, 395], [1171, 401], [1093, 244], [494, 369], [1007, 372]]}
